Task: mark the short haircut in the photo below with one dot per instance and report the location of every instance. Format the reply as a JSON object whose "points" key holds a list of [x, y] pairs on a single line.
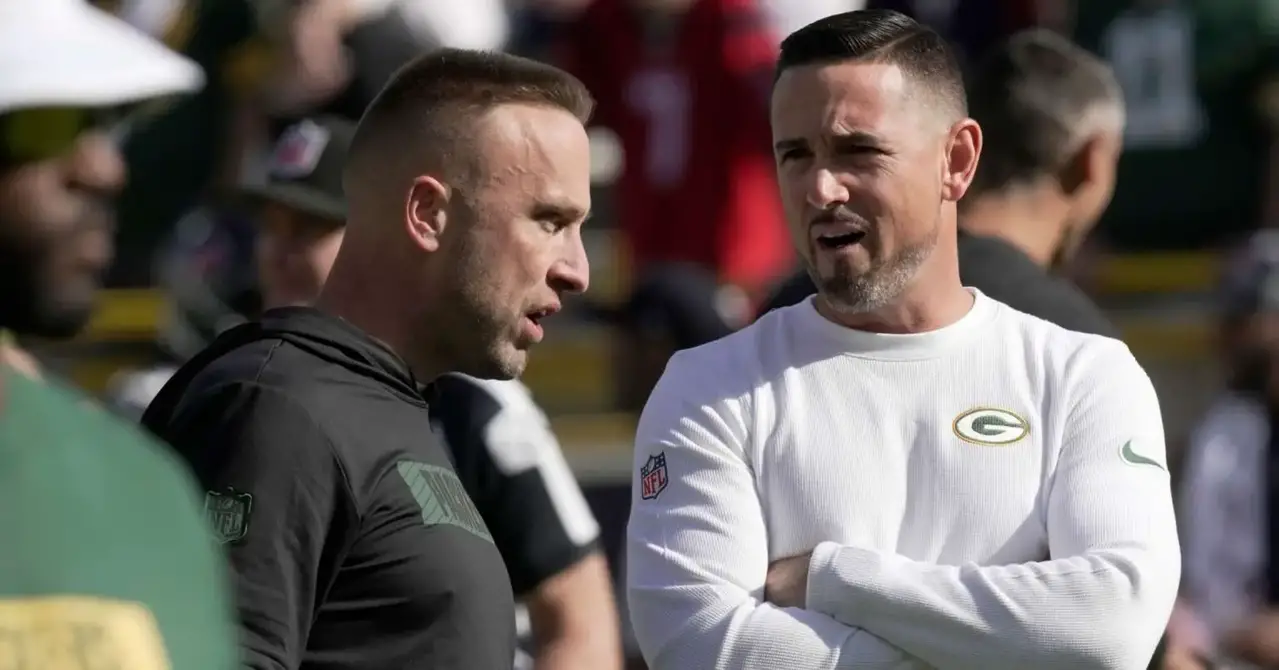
{"points": [[436, 93], [1038, 97], [880, 36]]}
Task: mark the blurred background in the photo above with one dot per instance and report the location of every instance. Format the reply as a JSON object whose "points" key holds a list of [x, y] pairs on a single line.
{"points": [[687, 238]]}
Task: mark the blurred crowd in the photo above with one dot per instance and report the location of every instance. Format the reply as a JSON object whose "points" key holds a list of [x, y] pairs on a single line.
{"points": [[688, 209]]}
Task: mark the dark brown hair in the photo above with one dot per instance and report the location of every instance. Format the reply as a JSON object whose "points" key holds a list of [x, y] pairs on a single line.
{"points": [[880, 36], [436, 93]]}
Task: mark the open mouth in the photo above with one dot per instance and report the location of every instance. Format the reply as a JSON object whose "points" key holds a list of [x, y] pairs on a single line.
{"points": [[839, 241], [537, 315]]}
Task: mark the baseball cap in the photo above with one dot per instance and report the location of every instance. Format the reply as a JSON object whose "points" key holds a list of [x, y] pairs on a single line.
{"points": [[1250, 282], [304, 168], [57, 53]]}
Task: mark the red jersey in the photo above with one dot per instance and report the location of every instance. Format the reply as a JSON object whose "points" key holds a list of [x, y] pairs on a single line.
{"points": [[698, 183]]}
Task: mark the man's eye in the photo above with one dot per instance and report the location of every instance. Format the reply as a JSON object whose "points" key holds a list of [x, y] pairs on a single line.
{"points": [[551, 225], [792, 155], [861, 150]]}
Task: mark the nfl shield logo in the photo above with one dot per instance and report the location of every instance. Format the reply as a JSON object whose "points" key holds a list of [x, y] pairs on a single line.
{"points": [[228, 514], [298, 150], [653, 477]]}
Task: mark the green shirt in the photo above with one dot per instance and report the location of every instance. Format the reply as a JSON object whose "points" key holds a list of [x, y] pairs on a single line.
{"points": [[1196, 146], [105, 559]]}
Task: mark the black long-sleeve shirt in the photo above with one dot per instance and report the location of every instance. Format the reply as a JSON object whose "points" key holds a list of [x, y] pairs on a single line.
{"points": [[353, 543]]}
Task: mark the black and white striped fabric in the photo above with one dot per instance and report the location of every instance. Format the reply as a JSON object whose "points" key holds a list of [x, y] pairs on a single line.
{"points": [[510, 462]]}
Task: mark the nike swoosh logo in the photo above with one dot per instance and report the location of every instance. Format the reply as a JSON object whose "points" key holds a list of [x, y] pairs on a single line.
{"points": [[1135, 458]]}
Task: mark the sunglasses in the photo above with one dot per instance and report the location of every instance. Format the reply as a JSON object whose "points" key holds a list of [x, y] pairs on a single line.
{"points": [[44, 133]]}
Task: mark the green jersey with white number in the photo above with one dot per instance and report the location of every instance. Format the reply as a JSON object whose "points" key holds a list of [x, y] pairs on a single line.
{"points": [[1195, 144], [105, 559]]}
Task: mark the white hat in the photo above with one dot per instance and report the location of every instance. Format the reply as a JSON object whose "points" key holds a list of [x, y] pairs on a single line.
{"points": [[69, 53]]}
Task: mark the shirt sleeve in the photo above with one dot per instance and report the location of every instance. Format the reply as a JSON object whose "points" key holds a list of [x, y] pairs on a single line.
{"points": [[513, 469], [1105, 595], [277, 492], [697, 549]]}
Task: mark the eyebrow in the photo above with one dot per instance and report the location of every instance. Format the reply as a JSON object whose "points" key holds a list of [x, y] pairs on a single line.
{"points": [[562, 209], [854, 138]]}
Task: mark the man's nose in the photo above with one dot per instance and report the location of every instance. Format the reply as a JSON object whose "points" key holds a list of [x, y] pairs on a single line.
{"points": [[95, 163], [572, 272], [825, 190]]}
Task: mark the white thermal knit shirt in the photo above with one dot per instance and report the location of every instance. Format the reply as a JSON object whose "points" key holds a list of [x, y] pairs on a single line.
{"points": [[1035, 532]]}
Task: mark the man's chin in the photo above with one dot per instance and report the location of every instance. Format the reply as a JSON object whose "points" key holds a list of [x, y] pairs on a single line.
{"points": [[505, 362]]}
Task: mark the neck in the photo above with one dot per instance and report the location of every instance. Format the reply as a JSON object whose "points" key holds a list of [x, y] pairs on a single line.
{"points": [[934, 299], [353, 294], [1030, 220]]}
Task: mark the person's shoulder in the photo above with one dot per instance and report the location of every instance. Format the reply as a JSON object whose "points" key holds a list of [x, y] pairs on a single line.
{"points": [[1062, 348], [1066, 305], [251, 392], [728, 370], [1053, 332], [516, 432], [1007, 275], [732, 358]]}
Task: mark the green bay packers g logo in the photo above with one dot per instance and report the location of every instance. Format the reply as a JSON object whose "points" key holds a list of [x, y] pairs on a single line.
{"points": [[989, 426]]}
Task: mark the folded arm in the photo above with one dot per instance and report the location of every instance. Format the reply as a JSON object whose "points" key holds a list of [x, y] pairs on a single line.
{"points": [[1103, 599], [697, 551]]}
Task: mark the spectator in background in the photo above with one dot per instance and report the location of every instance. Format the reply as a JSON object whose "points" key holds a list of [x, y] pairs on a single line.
{"points": [[1229, 496], [105, 558], [1053, 115], [684, 84]]}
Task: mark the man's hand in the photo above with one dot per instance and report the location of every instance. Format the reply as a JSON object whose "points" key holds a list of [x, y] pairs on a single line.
{"points": [[1258, 641], [1181, 658], [787, 582]]}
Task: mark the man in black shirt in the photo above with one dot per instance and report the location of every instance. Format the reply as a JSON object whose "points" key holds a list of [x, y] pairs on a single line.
{"points": [[506, 456], [1052, 117], [353, 542]]}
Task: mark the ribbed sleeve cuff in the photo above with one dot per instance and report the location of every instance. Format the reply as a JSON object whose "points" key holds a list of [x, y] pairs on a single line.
{"points": [[837, 577]]}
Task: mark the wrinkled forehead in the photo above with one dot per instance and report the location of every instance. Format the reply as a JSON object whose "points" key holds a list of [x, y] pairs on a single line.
{"points": [[539, 151], [819, 101]]}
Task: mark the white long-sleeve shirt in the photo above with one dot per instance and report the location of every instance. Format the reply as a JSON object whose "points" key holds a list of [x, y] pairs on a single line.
{"points": [[990, 495]]}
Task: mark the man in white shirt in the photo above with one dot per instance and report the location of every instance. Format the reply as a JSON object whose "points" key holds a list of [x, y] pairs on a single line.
{"points": [[899, 472]]}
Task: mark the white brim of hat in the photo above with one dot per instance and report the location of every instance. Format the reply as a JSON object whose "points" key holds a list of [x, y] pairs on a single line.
{"points": [[67, 53]]}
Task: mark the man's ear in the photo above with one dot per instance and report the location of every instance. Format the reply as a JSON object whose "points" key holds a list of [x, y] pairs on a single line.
{"points": [[1088, 165], [963, 151], [425, 211]]}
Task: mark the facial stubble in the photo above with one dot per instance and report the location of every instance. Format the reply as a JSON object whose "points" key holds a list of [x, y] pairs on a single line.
{"points": [[851, 292]]}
